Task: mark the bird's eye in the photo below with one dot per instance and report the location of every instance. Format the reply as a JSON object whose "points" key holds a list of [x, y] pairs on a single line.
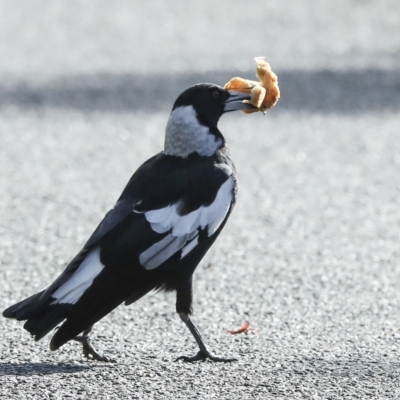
{"points": [[216, 94]]}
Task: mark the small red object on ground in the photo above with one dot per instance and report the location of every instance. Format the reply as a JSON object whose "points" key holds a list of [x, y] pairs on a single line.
{"points": [[244, 329]]}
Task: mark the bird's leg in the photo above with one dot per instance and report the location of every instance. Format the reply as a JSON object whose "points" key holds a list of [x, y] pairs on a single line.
{"points": [[184, 308], [204, 353], [88, 349]]}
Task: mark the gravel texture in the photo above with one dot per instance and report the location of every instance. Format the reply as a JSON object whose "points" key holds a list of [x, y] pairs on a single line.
{"points": [[311, 253]]}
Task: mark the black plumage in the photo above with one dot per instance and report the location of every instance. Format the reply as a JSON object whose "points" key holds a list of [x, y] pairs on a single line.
{"points": [[167, 217]]}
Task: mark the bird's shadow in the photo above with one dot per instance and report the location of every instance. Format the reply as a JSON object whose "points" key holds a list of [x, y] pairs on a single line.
{"points": [[39, 368]]}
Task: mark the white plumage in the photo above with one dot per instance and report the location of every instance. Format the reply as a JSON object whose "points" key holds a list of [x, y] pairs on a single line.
{"points": [[185, 135], [72, 290], [190, 246], [184, 229]]}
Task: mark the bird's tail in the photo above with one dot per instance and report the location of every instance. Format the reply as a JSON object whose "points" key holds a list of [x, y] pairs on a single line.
{"points": [[41, 316], [42, 311]]}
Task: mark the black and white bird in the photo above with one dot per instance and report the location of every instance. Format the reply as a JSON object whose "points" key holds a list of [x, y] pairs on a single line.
{"points": [[168, 216]]}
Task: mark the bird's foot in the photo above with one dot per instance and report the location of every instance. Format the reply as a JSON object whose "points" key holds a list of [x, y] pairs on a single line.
{"points": [[205, 355], [89, 351]]}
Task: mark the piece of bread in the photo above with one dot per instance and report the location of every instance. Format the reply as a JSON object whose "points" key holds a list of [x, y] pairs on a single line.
{"points": [[265, 93]]}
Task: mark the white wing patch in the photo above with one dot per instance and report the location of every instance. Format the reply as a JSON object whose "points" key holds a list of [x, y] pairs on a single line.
{"points": [[72, 290], [184, 229], [158, 253], [190, 246]]}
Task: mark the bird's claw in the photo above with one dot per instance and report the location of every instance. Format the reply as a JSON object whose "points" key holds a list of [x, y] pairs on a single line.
{"points": [[89, 351], [202, 356], [91, 354]]}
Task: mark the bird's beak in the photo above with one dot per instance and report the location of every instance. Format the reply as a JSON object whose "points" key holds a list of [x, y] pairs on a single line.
{"points": [[235, 102]]}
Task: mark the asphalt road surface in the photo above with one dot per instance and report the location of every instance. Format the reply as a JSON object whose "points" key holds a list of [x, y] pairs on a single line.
{"points": [[310, 256]]}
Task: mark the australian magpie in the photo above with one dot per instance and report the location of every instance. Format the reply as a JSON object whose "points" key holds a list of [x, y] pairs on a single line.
{"points": [[169, 214]]}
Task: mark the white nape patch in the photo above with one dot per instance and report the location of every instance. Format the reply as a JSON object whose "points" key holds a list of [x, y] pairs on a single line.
{"points": [[185, 134], [184, 229], [72, 290]]}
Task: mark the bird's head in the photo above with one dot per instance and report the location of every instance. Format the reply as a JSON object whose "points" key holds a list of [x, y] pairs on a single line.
{"points": [[192, 125]]}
